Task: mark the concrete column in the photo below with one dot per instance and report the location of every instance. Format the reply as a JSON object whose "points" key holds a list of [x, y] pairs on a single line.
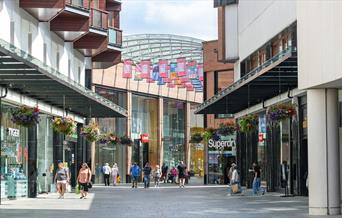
{"points": [[129, 128], [323, 152], [160, 129], [187, 135]]}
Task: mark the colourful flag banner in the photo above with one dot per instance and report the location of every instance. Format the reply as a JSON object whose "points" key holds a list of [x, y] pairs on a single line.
{"points": [[149, 80], [192, 70], [200, 71], [137, 74], [178, 82], [189, 89], [163, 65], [173, 71], [181, 86], [127, 69], [181, 67], [188, 85], [198, 89], [171, 85], [145, 69], [184, 79], [155, 72], [167, 80]]}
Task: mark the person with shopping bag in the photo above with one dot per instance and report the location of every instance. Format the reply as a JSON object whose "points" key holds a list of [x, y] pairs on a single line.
{"points": [[84, 180], [235, 181]]}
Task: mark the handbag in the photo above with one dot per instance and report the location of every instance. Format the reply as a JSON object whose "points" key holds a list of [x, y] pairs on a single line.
{"points": [[90, 185], [235, 188], [77, 189]]}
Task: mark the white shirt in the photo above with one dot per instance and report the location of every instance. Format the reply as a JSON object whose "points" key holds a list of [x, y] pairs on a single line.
{"points": [[106, 170]]}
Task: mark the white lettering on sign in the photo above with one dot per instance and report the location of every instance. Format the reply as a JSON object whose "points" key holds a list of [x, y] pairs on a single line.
{"points": [[220, 144], [13, 132]]}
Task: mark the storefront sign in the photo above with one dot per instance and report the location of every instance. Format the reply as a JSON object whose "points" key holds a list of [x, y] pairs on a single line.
{"points": [[13, 132], [261, 137], [220, 144], [144, 138]]}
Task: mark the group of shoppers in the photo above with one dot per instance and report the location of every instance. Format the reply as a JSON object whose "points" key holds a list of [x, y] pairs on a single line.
{"points": [[234, 179], [110, 172], [158, 174], [62, 179]]}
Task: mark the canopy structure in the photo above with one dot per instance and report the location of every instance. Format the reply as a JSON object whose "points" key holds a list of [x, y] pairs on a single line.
{"points": [[27, 75], [277, 75]]}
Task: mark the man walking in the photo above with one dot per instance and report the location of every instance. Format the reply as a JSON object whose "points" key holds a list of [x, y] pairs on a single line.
{"points": [[181, 174], [164, 169], [147, 175], [135, 170], [106, 173], [257, 179]]}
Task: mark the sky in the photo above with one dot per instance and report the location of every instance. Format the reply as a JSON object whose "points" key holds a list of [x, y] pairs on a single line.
{"points": [[194, 18]]}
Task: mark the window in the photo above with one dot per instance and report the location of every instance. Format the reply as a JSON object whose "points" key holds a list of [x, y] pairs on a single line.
{"points": [[222, 79], [29, 43], [44, 53], [12, 32], [57, 61]]}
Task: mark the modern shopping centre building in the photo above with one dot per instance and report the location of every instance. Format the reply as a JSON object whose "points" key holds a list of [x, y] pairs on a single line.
{"points": [[48, 50], [285, 53], [160, 115]]}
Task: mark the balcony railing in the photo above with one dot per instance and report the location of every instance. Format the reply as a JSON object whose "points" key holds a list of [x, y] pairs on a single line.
{"points": [[115, 37], [99, 19], [83, 4]]}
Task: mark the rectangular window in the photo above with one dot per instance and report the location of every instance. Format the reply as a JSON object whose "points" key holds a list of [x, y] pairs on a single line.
{"points": [[12, 33], [29, 43], [222, 79], [79, 75], [57, 61], [44, 53]]}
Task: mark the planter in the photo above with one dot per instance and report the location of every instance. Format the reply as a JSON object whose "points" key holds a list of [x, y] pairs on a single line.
{"points": [[196, 138], [125, 140], [91, 132], [279, 112], [25, 116], [108, 138], [226, 129], [65, 125], [248, 123]]}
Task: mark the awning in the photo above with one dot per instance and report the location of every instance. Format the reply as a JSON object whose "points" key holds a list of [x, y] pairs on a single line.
{"points": [[27, 75], [272, 78]]}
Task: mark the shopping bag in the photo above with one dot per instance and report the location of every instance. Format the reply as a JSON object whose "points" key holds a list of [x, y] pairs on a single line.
{"points": [[68, 188], [235, 188], [118, 179], [77, 189]]}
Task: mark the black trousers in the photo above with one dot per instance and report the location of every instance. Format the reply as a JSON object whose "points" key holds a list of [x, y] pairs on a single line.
{"points": [[106, 179]]}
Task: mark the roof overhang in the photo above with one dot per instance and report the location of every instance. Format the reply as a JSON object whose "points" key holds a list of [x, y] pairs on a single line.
{"points": [[29, 76], [272, 78]]}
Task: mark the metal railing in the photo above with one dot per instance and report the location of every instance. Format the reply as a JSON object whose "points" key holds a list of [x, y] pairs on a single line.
{"points": [[114, 37], [287, 52], [99, 19], [83, 4]]}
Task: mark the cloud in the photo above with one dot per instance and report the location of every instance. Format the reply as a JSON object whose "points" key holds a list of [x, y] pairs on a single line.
{"points": [[195, 18]]}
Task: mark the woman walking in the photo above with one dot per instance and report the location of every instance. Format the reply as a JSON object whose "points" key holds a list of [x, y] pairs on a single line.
{"points": [[84, 180], [157, 175], [147, 173], [115, 173], [61, 179]]}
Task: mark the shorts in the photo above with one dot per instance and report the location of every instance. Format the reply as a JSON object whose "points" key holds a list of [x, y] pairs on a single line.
{"points": [[135, 178], [61, 182], [84, 187]]}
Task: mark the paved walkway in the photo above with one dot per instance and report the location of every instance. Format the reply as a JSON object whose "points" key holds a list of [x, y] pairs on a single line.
{"points": [[169, 201]]}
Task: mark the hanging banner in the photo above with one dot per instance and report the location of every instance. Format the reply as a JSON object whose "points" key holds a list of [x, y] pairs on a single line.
{"points": [[173, 71], [181, 67], [155, 72], [163, 64], [127, 69], [145, 69], [178, 82], [171, 85], [200, 71], [160, 81], [188, 85], [137, 74], [192, 70], [184, 79], [150, 81], [167, 80]]}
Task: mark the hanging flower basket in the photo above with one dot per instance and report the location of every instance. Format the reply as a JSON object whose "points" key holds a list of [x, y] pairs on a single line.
{"points": [[279, 112], [226, 129], [65, 125], [108, 138], [248, 123], [196, 138], [207, 134], [125, 140], [25, 116], [91, 132]]}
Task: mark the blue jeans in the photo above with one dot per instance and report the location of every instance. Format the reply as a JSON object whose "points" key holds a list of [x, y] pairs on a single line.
{"points": [[146, 181], [256, 185]]}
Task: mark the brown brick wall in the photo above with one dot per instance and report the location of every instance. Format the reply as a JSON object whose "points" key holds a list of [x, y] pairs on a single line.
{"points": [[211, 64]]}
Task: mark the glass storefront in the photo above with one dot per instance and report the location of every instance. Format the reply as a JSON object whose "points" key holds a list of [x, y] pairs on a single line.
{"points": [[14, 156], [174, 132], [145, 121], [111, 153]]}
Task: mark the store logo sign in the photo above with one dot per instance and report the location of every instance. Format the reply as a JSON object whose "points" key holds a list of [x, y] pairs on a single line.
{"points": [[13, 132], [220, 144]]}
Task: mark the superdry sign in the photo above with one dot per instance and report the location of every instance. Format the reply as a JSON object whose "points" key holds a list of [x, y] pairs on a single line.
{"points": [[144, 138], [220, 144]]}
